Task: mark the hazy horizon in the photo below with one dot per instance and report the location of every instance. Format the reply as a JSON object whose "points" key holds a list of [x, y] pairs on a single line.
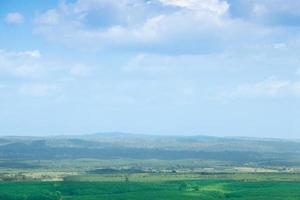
{"points": [[174, 67], [112, 133]]}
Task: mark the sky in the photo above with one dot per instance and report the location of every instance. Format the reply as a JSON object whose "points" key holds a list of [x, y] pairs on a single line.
{"points": [[172, 67]]}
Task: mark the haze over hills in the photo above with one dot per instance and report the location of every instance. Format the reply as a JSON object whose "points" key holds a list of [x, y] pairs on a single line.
{"points": [[118, 145], [195, 142]]}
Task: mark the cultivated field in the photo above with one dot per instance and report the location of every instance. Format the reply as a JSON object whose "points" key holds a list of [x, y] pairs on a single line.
{"points": [[124, 166], [159, 186]]}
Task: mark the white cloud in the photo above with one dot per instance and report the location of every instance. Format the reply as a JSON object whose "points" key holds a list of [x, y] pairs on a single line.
{"points": [[51, 17], [22, 63], [212, 6], [275, 13], [136, 25], [270, 87], [32, 54], [259, 9], [26, 54], [37, 90], [183, 64], [14, 18]]}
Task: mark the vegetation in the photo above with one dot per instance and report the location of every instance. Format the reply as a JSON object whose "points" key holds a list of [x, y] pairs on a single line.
{"points": [[148, 153], [206, 189], [124, 166]]}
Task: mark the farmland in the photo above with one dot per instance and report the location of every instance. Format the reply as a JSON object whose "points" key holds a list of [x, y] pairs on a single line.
{"points": [[124, 166], [165, 186]]}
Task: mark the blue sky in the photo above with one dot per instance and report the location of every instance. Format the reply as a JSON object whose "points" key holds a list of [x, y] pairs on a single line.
{"points": [[184, 67]]}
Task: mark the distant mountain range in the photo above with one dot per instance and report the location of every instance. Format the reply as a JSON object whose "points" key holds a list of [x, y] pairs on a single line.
{"points": [[112, 145]]}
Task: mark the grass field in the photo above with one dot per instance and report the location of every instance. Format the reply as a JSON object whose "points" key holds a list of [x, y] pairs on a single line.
{"points": [[247, 187]]}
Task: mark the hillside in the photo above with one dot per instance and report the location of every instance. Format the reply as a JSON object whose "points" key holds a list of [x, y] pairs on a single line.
{"points": [[238, 152]]}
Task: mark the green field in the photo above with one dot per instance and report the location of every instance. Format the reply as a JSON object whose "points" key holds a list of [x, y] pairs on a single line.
{"points": [[235, 187], [118, 166]]}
